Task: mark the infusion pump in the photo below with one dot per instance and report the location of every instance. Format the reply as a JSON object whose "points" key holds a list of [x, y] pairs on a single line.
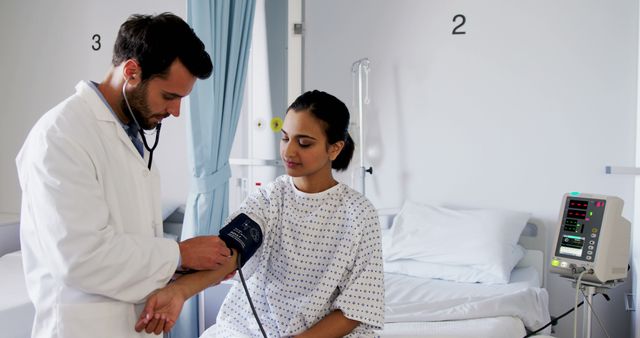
{"points": [[592, 236]]}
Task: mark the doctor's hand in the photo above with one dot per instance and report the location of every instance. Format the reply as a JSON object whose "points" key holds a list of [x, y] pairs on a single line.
{"points": [[204, 253], [161, 310]]}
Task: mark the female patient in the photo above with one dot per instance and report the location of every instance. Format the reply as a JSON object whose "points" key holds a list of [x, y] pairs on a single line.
{"points": [[318, 272]]}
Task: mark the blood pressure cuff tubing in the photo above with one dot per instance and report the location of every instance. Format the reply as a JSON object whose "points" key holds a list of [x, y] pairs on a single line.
{"points": [[242, 234]]}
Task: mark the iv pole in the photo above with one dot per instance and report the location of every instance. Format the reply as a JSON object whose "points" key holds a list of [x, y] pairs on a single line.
{"points": [[360, 69]]}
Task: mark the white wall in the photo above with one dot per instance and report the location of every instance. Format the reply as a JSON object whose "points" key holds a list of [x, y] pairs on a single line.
{"points": [[46, 50], [532, 102]]}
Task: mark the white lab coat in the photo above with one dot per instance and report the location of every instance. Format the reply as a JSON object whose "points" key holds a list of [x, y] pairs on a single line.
{"points": [[91, 224]]}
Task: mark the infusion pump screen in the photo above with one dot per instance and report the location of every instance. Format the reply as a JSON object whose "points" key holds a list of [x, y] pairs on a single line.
{"points": [[580, 228]]}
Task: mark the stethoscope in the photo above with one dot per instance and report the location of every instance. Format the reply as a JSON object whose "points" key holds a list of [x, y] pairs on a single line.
{"points": [[140, 130]]}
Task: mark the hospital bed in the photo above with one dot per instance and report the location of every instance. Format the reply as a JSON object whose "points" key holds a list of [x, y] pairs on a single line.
{"points": [[16, 310], [419, 306], [426, 298]]}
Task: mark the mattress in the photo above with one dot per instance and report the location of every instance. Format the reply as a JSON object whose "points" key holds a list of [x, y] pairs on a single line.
{"points": [[9, 233], [401, 288], [418, 307], [16, 310], [494, 327]]}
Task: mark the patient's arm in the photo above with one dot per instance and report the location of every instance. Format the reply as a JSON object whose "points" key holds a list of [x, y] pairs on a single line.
{"points": [[164, 305], [335, 324]]}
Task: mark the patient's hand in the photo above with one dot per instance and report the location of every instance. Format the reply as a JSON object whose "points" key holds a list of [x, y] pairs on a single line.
{"points": [[164, 305], [161, 310]]}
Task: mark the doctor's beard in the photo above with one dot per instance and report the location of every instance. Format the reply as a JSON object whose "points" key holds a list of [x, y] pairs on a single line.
{"points": [[139, 106]]}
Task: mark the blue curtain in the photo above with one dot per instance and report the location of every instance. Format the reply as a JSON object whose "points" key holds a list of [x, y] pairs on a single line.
{"points": [[225, 28]]}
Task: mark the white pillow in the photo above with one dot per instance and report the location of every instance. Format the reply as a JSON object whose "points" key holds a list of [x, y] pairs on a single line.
{"points": [[480, 239]]}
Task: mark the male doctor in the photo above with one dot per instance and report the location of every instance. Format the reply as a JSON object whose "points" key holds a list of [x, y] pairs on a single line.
{"points": [[91, 228]]}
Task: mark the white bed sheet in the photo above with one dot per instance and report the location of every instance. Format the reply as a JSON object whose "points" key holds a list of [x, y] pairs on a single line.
{"points": [[412, 300], [401, 288], [16, 310]]}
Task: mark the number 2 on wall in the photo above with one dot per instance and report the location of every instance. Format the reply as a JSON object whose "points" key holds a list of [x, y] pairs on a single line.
{"points": [[96, 42], [456, 29]]}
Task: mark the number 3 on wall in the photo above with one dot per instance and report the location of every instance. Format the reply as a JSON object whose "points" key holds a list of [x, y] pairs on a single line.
{"points": [[456, 29], [96, 42]]}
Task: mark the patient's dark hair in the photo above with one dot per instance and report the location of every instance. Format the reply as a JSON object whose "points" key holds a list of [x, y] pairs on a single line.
{"points": [[155, 41], [335, 115]]}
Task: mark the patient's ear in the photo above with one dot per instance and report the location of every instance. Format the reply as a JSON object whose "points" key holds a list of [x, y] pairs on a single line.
{"points": [[335, 149]]}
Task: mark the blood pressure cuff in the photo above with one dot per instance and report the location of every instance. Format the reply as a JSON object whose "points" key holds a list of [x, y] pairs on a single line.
{"points": [[242, 234]]}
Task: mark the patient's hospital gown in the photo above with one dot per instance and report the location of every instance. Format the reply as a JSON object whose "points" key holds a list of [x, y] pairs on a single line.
{"points": [[321, 252]]}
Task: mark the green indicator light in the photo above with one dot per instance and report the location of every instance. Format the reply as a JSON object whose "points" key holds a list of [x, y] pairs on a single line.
{"points": [[574, 193], [555, 262], [590, 213]]}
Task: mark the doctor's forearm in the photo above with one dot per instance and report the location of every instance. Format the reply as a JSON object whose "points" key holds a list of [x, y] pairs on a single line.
{"points": [[193, 283]]}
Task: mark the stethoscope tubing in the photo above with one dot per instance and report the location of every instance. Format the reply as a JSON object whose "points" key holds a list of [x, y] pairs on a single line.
{"points": [[140, 130]]}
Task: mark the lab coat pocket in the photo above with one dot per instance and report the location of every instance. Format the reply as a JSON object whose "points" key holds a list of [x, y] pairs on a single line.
{"points": [[97, 320]]}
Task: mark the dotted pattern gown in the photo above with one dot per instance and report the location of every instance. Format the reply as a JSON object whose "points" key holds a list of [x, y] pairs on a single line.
{"points": [[321, 252]]}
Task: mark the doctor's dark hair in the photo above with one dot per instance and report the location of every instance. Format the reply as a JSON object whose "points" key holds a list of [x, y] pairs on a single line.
{"points": [[335, 117], [155, 41]]}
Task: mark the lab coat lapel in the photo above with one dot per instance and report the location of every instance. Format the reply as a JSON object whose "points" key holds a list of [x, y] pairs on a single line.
{"points": [[104, 114]]}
